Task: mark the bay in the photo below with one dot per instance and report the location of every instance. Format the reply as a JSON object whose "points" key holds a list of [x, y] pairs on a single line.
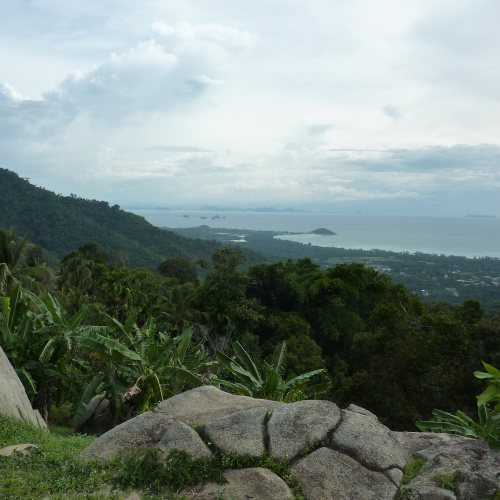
{"points": [[464, 236]]}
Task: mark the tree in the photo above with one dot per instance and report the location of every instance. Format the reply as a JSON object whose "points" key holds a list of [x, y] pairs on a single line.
{"points": [[182, 269], [180, 307], [224, 295], [14, 252]]}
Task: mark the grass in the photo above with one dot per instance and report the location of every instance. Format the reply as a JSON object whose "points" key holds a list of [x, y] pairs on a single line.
{"points": [[412, 470], [52, 472]]}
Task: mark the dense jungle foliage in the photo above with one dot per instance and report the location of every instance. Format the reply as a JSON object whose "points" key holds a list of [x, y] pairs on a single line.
{"points": [[285, 331], [435, 278]]}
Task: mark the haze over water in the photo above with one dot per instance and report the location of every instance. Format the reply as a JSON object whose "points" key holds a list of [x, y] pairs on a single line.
{"points": [[465, 236]]}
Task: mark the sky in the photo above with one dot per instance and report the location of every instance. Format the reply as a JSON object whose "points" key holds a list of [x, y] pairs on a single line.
{"points": [[326, 105]]}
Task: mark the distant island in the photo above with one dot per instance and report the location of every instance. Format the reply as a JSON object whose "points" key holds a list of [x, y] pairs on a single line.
{"points": [[483, 216], [323, 231], [258, 209]]}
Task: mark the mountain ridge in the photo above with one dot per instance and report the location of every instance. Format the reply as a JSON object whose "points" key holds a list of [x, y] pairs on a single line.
{"points": [[60, 224]]}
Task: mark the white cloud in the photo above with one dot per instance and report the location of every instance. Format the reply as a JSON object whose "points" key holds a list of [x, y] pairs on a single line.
{"points": [[315, 102], [188, 36]]}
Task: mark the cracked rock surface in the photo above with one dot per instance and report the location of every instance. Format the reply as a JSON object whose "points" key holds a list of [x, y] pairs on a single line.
{"points": [[334, 454]]}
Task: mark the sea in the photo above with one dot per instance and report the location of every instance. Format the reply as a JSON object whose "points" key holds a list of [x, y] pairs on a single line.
{"points": [[472, 236]]}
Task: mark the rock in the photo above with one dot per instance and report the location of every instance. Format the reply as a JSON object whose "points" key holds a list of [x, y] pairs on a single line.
{"points": [[97, 418], [241, 433], [208, 403], [326, 473], [179, 436], [243, 484], [394, 475], [23, 449], [295, 427], [465, 466], [335, 454], [364, 438], [142, 432], [427, 492], [14, 402], [194, 407], [411, 442]]}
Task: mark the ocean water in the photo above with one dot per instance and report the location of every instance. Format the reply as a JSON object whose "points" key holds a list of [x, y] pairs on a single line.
{"points": [[465, 236]]}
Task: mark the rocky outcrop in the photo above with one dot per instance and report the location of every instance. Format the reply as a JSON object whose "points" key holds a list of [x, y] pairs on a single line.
{"points": [[342, 454], [456, 468], [14, 402], [251, 483], [333, 453]]}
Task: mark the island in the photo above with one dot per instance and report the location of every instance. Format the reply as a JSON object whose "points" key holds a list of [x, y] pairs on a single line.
{"points": [[483, 216], [323, 231]]}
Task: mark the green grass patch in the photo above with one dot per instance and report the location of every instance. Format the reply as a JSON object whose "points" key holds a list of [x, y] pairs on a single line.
{"points": [[50, 471], [412, 470]]}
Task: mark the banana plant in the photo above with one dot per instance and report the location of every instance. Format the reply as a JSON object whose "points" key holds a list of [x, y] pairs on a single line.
{"points": [[488, 405], [39, 343], [270, 385], [17, 335], [142, 365]]}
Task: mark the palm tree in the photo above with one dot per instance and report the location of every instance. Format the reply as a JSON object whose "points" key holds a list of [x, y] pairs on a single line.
{"points": [[76, 270], [180, 307], [13, 255]]}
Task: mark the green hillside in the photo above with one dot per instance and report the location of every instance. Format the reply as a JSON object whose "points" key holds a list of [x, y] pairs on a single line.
{"points": [[59, 224]]}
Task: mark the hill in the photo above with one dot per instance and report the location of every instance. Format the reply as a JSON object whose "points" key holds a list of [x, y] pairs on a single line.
{"points": [[60, 224]]}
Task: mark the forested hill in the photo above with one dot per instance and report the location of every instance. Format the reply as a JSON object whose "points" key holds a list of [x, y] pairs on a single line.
{"points": [[59, 224]]}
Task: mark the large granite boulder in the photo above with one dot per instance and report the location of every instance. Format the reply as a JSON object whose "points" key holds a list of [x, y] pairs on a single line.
{"points": [[14, 402], [456, 468], [334, 454]]}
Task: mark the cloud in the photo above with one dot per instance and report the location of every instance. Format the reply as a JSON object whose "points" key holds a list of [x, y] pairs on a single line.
{"points": [[392, 112], [8, 94], [181, 149], [188, 36], [95, 119], [203, 102]]}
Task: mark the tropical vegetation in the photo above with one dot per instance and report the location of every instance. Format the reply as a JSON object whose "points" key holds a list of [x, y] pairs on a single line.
{"points": [[80, 318]]}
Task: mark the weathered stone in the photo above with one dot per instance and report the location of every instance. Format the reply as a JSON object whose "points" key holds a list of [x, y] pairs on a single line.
{"points": [[241, 433], [469, 465], [143, 431], [362, 411], [244, 484], [368, 441], [426, 492], [197, 406], [14, 402], [394, 475], [295, 427], [326, 473], [411, 442], [366, 462], [97, 418], [180, 436], [23, 449]]}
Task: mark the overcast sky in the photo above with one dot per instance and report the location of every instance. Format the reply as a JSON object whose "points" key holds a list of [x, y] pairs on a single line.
{"points": [[346, 105]]}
